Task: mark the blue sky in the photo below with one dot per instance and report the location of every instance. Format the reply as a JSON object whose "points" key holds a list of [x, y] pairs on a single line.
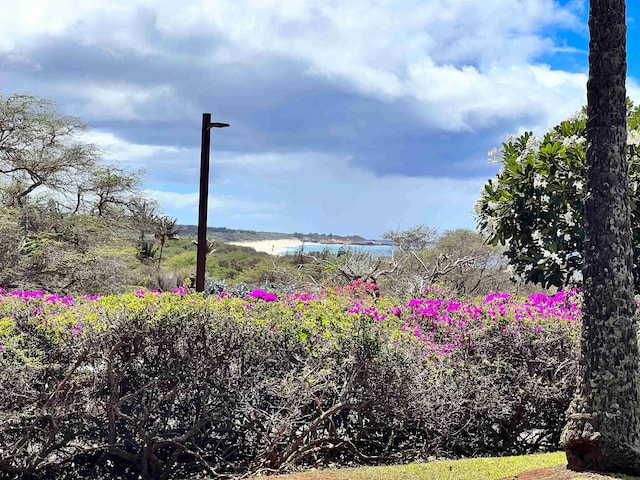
{"points": [[347, 117]]}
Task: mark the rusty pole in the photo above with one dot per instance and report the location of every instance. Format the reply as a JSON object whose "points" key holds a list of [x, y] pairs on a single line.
{"points": [[205, 146]]}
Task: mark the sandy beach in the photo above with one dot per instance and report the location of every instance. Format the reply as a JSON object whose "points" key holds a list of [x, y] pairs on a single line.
{"points": [[272, 247]]}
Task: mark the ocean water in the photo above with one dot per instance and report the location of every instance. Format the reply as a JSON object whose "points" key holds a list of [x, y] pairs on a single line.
{"points": [[375, 250]]}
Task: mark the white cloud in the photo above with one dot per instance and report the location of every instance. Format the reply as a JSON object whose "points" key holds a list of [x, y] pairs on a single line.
{"points": [[115, 148], [465, 63], [36, 21], [256, 163], [633, 90], [467, 99], [119, 101], [172, 201]]}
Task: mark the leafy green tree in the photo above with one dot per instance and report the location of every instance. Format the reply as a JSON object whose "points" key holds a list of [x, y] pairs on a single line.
{"points": [[603, 429], [534, 206]]}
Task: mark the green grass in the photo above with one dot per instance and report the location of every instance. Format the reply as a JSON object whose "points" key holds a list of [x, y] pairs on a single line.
{"points": [[466, 469]]}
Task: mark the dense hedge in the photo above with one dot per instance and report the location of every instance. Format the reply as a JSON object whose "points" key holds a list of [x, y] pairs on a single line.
{"points": [[176, 385]]}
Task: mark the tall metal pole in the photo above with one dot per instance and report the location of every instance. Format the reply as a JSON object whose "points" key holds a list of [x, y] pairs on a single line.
{"points": [[205, 147]]}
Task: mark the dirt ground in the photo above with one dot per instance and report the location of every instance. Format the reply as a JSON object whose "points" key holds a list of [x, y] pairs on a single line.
{"points": [[560, 473]]}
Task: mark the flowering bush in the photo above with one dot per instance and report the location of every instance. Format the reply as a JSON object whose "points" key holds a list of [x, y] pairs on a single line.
{"points": [[534, 205], [171, 384], [266, 296]]}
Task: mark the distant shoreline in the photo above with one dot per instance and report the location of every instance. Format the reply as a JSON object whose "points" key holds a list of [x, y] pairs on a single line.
{"points": [[288, 246], [272, 247], [335, 248], [346, 243]]}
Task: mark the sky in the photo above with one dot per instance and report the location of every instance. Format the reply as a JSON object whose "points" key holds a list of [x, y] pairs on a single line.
{"points": [[347, 116]]}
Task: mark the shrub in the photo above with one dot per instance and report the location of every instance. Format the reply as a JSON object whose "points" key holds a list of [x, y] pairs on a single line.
{"points": [[176, 385]]}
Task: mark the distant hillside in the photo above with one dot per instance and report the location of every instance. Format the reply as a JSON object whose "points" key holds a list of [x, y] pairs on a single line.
{"points": [[229, 235]]}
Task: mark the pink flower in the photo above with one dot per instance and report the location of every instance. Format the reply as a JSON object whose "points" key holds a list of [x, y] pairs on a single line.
{"points": [[266, 296]]}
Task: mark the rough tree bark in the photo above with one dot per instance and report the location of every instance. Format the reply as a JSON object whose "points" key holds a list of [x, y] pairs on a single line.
{"points": [[602, 432]]}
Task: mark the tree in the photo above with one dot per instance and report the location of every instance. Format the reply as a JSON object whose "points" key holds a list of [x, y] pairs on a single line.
{"points": [[74, 218], [421, 257], [11, 245], [165, 228], [534, 206], [63, 253], [109, 193], [38, 150], [473, 267], [42, 159], [603, 428], [416, 239]]}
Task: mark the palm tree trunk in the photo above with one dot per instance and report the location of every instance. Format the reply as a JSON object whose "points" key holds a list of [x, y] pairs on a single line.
{"points": [[602, 432]]}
